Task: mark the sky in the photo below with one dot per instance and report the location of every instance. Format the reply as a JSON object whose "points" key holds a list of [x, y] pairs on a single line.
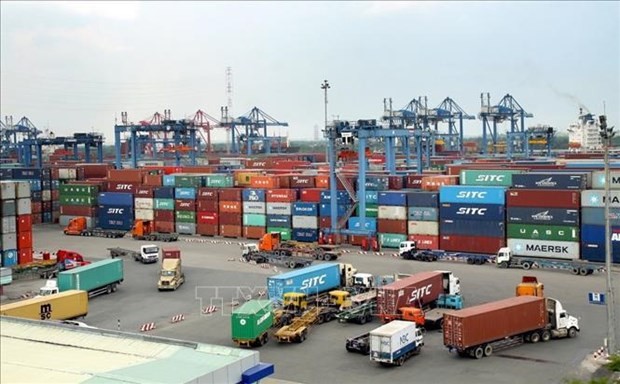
{"points": [[75, 66]]}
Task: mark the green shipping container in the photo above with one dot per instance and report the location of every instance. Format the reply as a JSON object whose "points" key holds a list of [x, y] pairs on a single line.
{"points": [[254, 220], [92, 276], [391, 240], [219, 181], [285, 233], [78, 200], [490, 177], [251, 320], [542, 232], [164, 204], [372, 210], [79, 190], [188, 181], [185, 216]]}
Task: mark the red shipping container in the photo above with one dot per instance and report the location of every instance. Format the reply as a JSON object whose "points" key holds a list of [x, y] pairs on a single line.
{"points": [[24, 223], [228, 219], [414, 181], [301, 181], [325, 222], [55, 194], [163, 215], [211, 218], [122, 187], [543, 198], [24, 240], [126, 175], [281, 195], [207, 229], [198, 169], [265, 181], [321, 181], [37, 218], [234, 231], [171, 253], [310, 195], [230, 194], [230, 207], [144, 192], [207, 205], [92, 170], [433, 183], [153, 180], [356, 240], [392, 226], [477, 244], [395, 182], [210, 194], [78, 210], [46, 206], [36, 208], [257, 164], [164, 226], [185, 205], [24, 256], [425, 241], [254, 232]]}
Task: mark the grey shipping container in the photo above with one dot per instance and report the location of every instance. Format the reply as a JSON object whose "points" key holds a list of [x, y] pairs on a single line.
{"points": [[8, 208], [596, 216], [186, 228], [550, 216], [550, 181]]}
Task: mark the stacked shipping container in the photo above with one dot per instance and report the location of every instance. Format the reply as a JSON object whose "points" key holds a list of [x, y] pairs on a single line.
{"points": [[392, 218], [78, 200], [16, 223], [423, 219]]}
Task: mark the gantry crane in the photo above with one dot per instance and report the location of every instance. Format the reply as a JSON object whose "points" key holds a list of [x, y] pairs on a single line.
{"points": [[205, 123], [13, 134], [251, 128], [449, 112], [508, 109]]}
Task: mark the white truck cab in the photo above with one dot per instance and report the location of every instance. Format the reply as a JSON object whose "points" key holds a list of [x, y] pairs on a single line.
{"points": [[407, 246], [365, 280], [451, 283], [248, 248], [561, 323], [503, 256], [149, 253], [50, 288]]}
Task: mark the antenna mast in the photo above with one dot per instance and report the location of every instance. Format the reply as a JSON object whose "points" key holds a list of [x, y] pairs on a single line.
{"points": [[229, 96]]}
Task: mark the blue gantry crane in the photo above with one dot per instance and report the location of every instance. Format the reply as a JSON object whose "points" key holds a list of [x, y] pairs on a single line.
{"points": [[508, 109], [13, 134], [451, 113], [250, 129]]}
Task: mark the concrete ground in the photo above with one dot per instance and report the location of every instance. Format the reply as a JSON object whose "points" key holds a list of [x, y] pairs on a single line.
{"points": [[214, 274]]}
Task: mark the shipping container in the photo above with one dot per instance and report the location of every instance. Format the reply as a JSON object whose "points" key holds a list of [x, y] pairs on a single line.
{"points": [[79, 190], [279, 209], [391, 240], [163, 204], [254, 195], [143, 203], [598, 180], [310, 280], [233, 231], [71, 304], [144, 192], [489, 177], [342, 197], [472, 194], [434, 183], [115, 198], [24, 240], [92, 277], [596, 216], [9, 257], [163, 193], [120, 187], [423, 228], [370, 224], [550, 181], [474, 212], [372, 210], [254, 207], [230, 206], [24, 223], [414, 181], [542, 232], [230, 194], [422, 214], [9, 240], [185, 193], [8, 208], [22, 189], [207, 229], [393, 342], [423, 199], [472, 244], [544, 248], [472, 228], [126, 175], [163, 215], [550, 216], [144, 214], [251, 320], [485, 323], [210, 194], [392, 212], [392, 226], [254, 220], [305, 222], [307, 235], [211, 218], [596, 252], [543, 198], [325, 210], [392, 199], [185, 228], [305, 209], [74, 200], [596, 198], [219, 181], [283, 221], [425, 241], [281, 196], [250, 232], [310, 195], [595, 234], [301, 181], [185, 205], [418, 290], [185, 216], [24, 256]]}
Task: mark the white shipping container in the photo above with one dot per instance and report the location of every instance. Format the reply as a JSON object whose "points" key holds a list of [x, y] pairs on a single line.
{"points": [[46, 195], [255, 208], [7, 190], [545, 248], [279, 208], [67, 173], [598, 180], [392, 212], [9, 241], [143, 203], [596, 198], [9, 225], [63, 220], [390, 338], [305, 222], [423, 228], [24, 206], [144, 214], [22, 189]]}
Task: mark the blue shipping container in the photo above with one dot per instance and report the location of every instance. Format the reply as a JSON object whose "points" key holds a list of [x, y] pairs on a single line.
{"points": [[596, 216], [549, 181], [370, 223], [9, 257], [168, 181], [486, 212], [310, 280], [6, 174], [46, 184], [375, 183], [185, 193], [163, 193], [115, 217], [116, 198], [596, 234], [257, 195], [422, 214], [550, 216], [472, 228], [35, 185], [279, 221], [372, 197], [423, 199], [596, 252], [472, 194], [305, 209], [342, 197], [325, 210], [26, 173], [393, 198], [305, 234], [55, 184]]}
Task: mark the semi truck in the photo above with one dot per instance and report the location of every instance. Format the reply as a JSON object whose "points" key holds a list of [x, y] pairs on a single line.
{"points": [[250, 323], [478, 331], [432, 317], [250, 252], [506, 259], [65, 260], [96, 278], [272, 242], [408, 250], [171, 275], [395, 342], [71, 304], [78, 226], [145, 230], [419, 290], [312, 280], [148, 253], [359, 344]]}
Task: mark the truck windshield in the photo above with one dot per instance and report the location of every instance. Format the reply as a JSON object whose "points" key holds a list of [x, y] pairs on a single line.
{"points": [[167, 273], [150, 250], [45, 292]]}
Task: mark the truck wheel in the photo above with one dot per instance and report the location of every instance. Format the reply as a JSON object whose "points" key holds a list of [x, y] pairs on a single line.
{"points": [[583, 272], [488, 350], [109, 289], [479, 261], [462, 353], [439, 323], [534, 337], [400, 361], [114, 288], [363, 320], [503, 264], [545, 336], [470, 260], [572, 332], [575, 271], [526, 265], [478, 353]]}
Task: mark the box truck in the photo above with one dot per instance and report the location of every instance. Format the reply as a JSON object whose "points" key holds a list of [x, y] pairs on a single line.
{"points": [[96, 278], [66, 305], [478, 331], [395, 342]]}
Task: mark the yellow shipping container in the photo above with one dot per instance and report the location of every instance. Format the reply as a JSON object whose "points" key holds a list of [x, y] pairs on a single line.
{"points": [[242, 179], [60, 306]]}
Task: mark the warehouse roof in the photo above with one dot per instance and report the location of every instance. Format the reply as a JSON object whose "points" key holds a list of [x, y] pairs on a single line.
{"points": [[31, 350]]}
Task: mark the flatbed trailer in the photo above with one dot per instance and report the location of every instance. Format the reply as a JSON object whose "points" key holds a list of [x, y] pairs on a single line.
{"points": [[506, 259], [297, 331], [359, 344], [440, 255], [100, 232], [316, 251], [158, 236], [263, 257], [360, 314]]}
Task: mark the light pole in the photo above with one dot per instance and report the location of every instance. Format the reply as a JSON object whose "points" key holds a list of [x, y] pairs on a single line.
{"points": [[607, 135], [325, 86]]}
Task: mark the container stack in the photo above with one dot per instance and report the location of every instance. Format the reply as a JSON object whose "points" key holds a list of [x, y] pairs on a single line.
{"points": [[593, 218], [254, 213], [163, 208], [313, 196], [15, 236], [78, 200], [423, 219], [143, 203], [392, 223], [23, 207], [305, 221], [280, 211], [116, 210], [207, 212], [186, 187], [371, 212], [230, 212], [342, 205], [472, 218], [33, 177]]}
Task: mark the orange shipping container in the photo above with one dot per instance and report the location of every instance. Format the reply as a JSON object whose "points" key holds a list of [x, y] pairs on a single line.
{"points": [[253, 232], [243, 178], [265, 181], [153, 180], [230, 207], [321, 181], [24, 256], [24, 240], [432, 183]]}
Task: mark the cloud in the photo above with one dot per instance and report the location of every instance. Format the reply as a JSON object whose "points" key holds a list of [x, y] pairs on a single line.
{"points": [[83, 38], [390, 7], [115, 10]]}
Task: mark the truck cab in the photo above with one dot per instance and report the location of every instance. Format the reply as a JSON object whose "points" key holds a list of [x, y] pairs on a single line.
{"points": [[171, 276], [50, 288], [248, 248], [561, 324], [347, 273], [149, 253], [76, 226], [530, 286], [451, 283], [504, 256], [407, 248]]}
